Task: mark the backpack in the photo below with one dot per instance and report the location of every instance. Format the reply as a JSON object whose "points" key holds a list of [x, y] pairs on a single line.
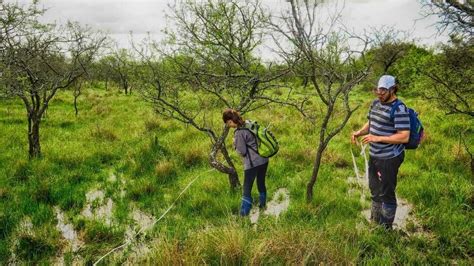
{"points": [[416, 128], [267, 145]]}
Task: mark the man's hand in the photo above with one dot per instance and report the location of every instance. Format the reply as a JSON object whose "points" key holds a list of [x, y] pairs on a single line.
{"points": [[364, 130], [354, 136], [370, 138]]}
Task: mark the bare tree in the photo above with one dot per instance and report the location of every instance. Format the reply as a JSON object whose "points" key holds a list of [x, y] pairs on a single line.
{"points": [[389, 46], [456, 17], [40, 59], [324, 57], [209, 63]]}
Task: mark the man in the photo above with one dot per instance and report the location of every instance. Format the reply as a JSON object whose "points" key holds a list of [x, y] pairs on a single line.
{"points": [[386, 135]]}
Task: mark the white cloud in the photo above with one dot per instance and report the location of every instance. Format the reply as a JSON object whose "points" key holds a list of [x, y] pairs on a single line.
{"points": [[119, 17]]}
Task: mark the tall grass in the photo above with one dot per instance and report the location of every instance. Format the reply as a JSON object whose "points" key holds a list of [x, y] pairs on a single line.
{"points": [[153, 159]]}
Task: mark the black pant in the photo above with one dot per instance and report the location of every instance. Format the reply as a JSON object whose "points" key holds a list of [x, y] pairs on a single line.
{"points": [[383, 178], [249, 176]]}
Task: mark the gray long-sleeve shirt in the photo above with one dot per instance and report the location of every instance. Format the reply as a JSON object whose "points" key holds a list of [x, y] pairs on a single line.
{"points": [[242, 139]]}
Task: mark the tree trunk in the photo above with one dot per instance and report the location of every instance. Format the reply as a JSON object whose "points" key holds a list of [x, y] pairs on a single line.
{"points": [[234, 181], [233, 177], [229, 170], [232, 174], [125, 85], [33, 136], [314, 175], [77, 92], [75, 106]]}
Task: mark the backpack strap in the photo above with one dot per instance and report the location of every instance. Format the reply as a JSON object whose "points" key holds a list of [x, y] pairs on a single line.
{"points": [[247, 147], [394, 108]]}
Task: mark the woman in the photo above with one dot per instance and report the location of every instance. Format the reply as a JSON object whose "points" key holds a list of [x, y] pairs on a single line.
{"points": [[255, 166]]}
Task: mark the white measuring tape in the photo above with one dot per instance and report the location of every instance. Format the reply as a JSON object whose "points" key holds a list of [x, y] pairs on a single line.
{"points": [[161, 217]]}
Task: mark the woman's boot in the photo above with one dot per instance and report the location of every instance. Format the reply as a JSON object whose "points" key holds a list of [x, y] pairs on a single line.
{"points": [[246, 206], [262, 198]]}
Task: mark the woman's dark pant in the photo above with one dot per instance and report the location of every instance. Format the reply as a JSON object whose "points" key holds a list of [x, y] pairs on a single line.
{"points": [[258, 172]]}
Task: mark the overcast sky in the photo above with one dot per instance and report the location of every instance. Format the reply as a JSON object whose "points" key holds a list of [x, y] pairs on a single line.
{"points": [[119, 17]]}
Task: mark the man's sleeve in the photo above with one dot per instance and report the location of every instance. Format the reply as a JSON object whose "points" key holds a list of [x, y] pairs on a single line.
{"points": [[401, 118]]}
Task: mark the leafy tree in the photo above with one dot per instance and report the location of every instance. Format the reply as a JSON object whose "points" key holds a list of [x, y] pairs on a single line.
{"points": [[408, 69], [451, 72], [39, 59], [209, 63], [120, 68], [451, 78], [331, 66], [389, 46]]}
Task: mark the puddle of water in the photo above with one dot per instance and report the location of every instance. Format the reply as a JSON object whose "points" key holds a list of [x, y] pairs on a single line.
{"points": [[144, 220], [103, 211], [278, 204], [24, 227], [95, 195], [67, 231], [112, 178], [402, 216], [254, 215]]}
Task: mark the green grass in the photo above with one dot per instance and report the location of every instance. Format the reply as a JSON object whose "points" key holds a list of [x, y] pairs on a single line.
{"points": [[153, 159]]}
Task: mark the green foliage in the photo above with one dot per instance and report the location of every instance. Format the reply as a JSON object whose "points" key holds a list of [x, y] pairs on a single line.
{"points": [[154, 159], [33, 249], [450, 76]]}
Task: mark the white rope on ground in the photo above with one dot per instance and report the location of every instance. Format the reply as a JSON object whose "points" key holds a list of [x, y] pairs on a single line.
{"points": [[161, 217], [356, 169], [363, 153]]}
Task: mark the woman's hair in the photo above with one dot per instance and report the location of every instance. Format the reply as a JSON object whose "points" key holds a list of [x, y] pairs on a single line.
{"points": [[231, 114]]}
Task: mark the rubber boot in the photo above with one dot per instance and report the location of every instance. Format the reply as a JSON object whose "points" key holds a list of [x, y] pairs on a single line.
{"points": [[388, 214], [246, 206], [262, 199], [376, 212]]}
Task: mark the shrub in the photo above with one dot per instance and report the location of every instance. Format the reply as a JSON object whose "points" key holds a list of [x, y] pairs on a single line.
{"points": [[101, 133], [194, 156], [33, 249], [152, 125], [22, 170], [97, 232], [165, 169], [142, 188]]}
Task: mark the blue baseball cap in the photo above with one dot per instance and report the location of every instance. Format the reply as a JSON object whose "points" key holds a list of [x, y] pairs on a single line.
{"points": [[386, 81]]}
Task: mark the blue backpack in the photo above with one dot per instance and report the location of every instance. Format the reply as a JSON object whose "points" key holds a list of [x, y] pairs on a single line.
{"points": [[416, 128]]}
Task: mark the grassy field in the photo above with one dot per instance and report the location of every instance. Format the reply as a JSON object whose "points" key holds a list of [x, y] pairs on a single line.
{"points": [[140, 161]]}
